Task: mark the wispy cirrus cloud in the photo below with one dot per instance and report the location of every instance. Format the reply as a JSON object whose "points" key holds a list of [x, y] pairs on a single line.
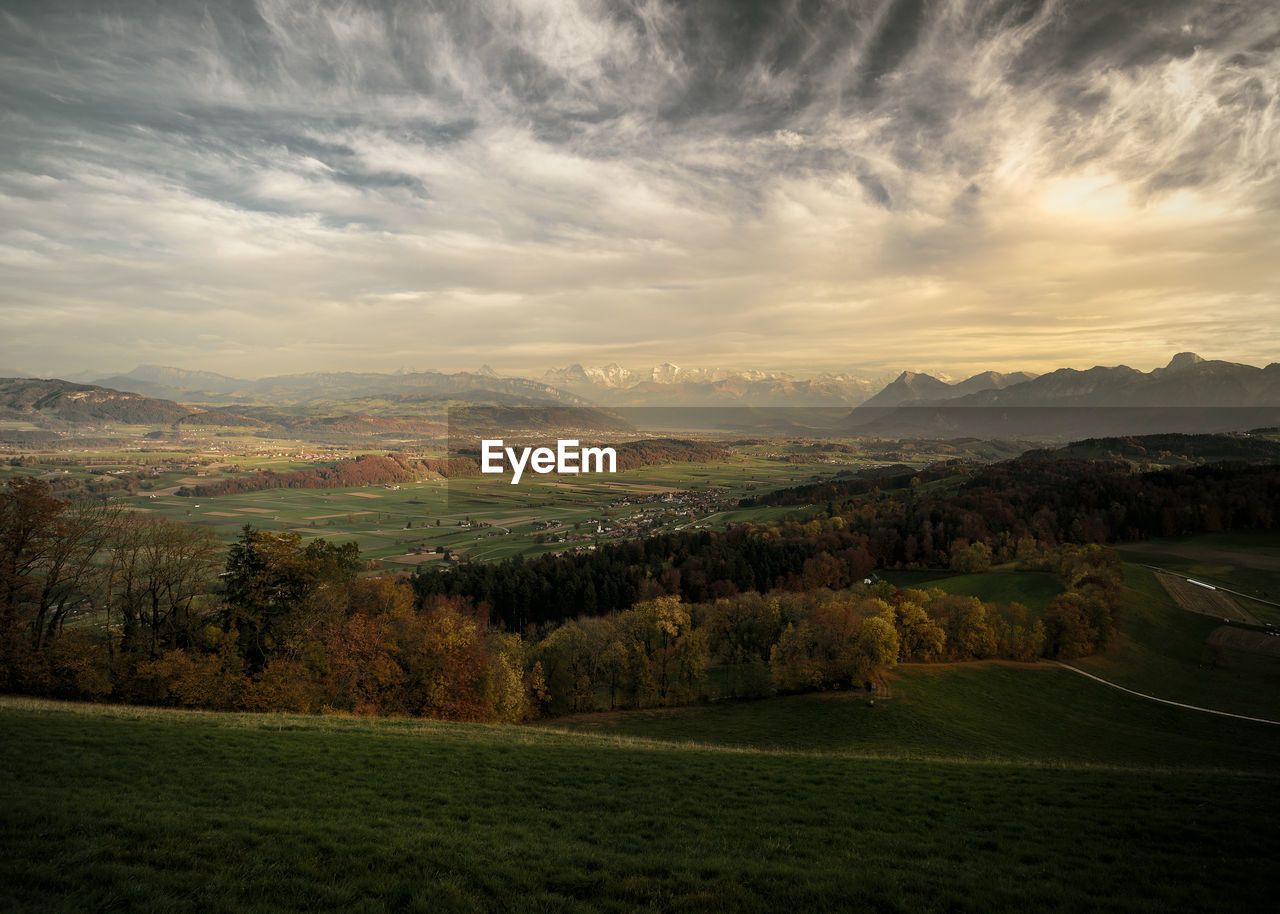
{"points": [[283, 185]]}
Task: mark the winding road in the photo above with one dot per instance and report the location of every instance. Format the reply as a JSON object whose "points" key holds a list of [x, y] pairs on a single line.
{"points": [[1165, 701]]}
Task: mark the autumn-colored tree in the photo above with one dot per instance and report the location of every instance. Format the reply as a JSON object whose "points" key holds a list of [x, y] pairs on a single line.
{"points": [[443, 654], [568, 659], [970, 558], [741, 631], [270, 577], [360, 670], [921, 638], [667, 656], [608, 645], [48, 548], [285, 684], [1070, 630], [507, 686], [1018, 636], [827, 649], [194, 679]]}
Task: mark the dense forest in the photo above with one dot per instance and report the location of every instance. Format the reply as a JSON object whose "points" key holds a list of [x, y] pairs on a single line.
{"points": [[940, 517], [365, 470]]}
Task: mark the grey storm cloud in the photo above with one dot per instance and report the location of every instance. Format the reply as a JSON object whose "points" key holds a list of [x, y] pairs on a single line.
{"points": [[280, 185]]}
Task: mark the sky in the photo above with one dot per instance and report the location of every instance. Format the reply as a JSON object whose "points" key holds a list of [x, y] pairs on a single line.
{"points": [[259, 187]]}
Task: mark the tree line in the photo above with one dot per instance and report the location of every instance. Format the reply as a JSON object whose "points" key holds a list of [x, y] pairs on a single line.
{"points": [[365, 470], [107, 604], [931, 519]]}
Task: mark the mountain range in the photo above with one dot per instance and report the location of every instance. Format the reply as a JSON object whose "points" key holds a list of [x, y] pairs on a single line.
{"points": [[910, 387], [673, 385], [1189, 394], [1204, 394], [575, 385], [404, 390]]}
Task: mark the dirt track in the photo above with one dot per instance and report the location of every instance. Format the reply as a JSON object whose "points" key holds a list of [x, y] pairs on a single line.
{"points": [[1165, 701]]}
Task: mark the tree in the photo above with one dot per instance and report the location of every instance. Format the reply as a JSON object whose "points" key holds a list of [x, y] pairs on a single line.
{"points": [[444, 654], [157, 571], [48, 550], [827, 650], [1069, 630], [568, 667], [270, 577], [970, 558], [741, 631], [667, 656], [922, 639]]}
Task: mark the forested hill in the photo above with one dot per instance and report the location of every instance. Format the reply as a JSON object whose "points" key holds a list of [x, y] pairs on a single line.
{"points": [[998, 513], [635, 454], [1145, 452], [1260, 446], [84, 403], [365, 470]]}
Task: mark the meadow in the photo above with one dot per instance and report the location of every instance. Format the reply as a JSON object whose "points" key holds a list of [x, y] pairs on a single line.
{"points": [[169, 811], [1034, 590], [968, 787]]}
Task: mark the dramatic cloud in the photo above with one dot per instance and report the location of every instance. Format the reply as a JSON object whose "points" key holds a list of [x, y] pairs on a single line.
{"points": [[281, 185]]}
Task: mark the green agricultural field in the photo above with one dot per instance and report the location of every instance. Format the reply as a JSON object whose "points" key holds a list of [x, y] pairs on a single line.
{"points": [[1248, 563], [1161, 649], [1034, 590], [114, 808], [487, 518]]}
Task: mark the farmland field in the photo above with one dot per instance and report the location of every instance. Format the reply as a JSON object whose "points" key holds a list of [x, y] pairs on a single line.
{"points": [[488, 518], [1248, 564], [1163, 650], [1207, 601]]}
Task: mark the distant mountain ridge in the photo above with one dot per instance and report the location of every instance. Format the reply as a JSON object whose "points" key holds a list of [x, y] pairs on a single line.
{"points": [[1189, 394], [672, 385], [77, 404], [910, 387], [342, 386], [57, 407], [1186, 381]]}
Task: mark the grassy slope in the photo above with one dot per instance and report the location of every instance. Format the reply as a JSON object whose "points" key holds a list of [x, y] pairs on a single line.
{"points": [[978, 787], [1208, 558], [972, 711], [1032, 589], [1161, 651], [171, 812]]}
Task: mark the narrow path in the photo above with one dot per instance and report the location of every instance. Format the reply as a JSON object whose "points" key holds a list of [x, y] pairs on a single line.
{"points": [[1165, 701]]}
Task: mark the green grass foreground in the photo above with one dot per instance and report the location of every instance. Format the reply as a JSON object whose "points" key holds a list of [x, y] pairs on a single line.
{"points": [[127, 809]]}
